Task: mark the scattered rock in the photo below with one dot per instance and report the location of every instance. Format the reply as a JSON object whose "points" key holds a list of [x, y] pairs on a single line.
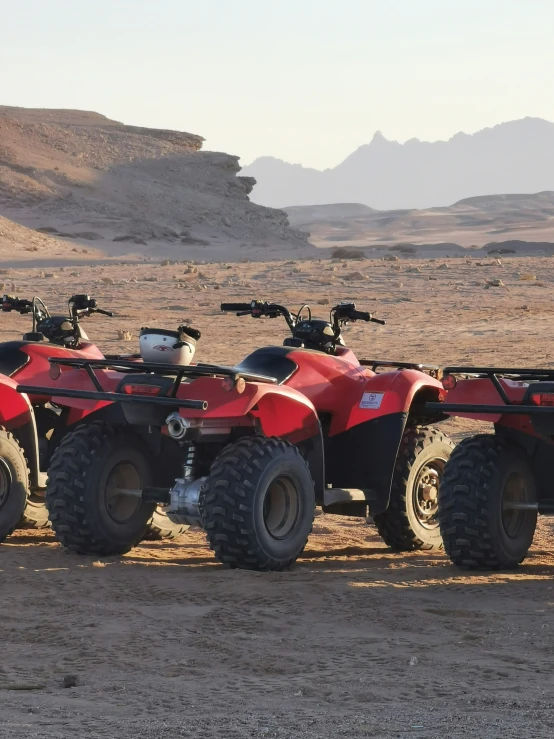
{"points": [[528, 277], [323, 301], [356, 276], [131, 239], [108, 280], [124, 335], [391, 258], [494, 283], [24, 686], [47, 230], [344, 252], [70, 681], [87, 235]]}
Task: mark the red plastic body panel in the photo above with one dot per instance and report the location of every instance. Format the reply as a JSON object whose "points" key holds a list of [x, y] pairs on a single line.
{"points": [[36, 371], [321, 384], [336, 385], [481, 391], [15, 409]]}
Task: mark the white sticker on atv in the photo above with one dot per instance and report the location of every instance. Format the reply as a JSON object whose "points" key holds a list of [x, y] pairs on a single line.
{"points": [[371, 400]]}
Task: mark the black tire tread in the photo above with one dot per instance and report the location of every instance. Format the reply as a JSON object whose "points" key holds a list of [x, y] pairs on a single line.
{"points": [[393, 525], [32, 520], [8, 436], [463, 514], [69, 520], [159, 529], [231, 543]]}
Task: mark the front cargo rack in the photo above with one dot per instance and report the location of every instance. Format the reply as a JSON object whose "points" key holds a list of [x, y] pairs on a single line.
{"points": [[516, 374], [179, 372]]}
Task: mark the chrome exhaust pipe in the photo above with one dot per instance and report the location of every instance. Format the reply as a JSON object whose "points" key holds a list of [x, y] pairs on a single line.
{"points": [[177, 426]]}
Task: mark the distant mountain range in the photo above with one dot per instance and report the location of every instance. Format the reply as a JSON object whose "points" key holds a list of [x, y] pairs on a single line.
{"points": [[517, 156], [478, 221]]}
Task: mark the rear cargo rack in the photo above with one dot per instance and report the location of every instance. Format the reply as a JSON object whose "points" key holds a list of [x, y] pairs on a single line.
{"points": [[516, 374], [375, 363], [179, 372]]}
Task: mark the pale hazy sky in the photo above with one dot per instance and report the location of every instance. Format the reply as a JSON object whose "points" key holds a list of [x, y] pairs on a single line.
{"points": [[304, 80]]}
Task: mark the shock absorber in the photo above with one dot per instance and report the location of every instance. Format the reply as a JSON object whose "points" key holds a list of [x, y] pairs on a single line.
{"points": [[184, 506], [190, 463]]}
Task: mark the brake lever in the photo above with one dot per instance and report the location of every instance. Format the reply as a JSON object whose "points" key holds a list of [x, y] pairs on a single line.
{"points": [[245, 313]]}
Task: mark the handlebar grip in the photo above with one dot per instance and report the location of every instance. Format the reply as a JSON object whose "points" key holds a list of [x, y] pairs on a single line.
{"points": [[104, 312], [360, 315], [236, 307]]}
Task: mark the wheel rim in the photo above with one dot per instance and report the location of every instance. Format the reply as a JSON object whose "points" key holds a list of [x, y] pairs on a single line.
{"points": [[118, 503], [5, 483], [426, 493], [515, 491], [281, 507]]}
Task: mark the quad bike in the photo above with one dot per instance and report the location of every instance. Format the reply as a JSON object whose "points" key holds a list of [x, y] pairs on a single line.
{"points": [[252, 449], [31, 427], [495, 485]]}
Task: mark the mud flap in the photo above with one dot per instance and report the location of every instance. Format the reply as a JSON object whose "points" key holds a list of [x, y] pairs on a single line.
{"points": [[312, 451], [364, 457]]}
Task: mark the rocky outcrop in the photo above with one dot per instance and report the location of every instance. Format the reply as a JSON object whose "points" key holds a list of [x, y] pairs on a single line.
{"points": [[83, 173]]}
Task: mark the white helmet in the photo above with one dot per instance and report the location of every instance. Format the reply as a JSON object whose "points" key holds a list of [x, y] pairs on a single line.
{"points": [[168, 347]]}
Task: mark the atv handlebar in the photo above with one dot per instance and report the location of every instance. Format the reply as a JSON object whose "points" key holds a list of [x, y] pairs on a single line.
{"points": [[236, 307], [340, 314], [345, 312], [84, 305], [358, 315], [11, 302]]}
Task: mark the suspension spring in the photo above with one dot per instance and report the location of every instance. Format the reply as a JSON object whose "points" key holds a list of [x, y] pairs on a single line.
{"points": [[189, 465]]}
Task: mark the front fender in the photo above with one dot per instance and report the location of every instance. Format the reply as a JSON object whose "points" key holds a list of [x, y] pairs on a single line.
{"points": [[392, 392], [17, 416], [363, 453]]}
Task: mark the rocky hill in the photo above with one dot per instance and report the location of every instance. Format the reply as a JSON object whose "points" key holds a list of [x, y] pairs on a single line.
{"points": [[517, 156], [79, 176]]}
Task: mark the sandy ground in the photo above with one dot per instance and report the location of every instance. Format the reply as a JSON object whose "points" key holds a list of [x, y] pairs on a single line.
{"points": [[354, 641]]}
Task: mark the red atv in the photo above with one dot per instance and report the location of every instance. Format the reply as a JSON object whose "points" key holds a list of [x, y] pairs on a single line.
{"points": [[494, 485], [30, 426], [251, 449]]}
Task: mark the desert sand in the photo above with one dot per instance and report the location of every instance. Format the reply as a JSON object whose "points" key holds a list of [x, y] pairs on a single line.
{"points": [[355, 640]]}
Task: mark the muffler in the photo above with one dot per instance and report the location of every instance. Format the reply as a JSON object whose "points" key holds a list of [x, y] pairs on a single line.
{"points": [[177, 426]]}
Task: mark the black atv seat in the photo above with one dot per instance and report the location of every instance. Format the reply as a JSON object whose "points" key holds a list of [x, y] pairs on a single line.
{"points": [[271, 361], [11, 356]]}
